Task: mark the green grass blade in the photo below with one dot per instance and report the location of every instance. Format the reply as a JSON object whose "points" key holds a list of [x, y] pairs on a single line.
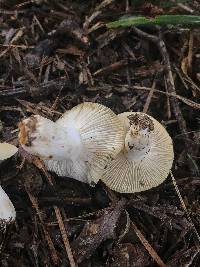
{"points": [[159, 20]]}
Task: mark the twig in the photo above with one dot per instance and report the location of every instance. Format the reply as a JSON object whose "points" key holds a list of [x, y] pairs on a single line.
{"points": [[54, 255], [64, 236], [14, 12], [169, 113], [168, 75], [97, 11], [56, 100], [148, 247], [170, 86], [175, 104], [158, 212], [145, 35], [80, 217], [37, 90], [186, 8], [40, 164], [111, 68], [190, 48], [181, 98], [17, 46], [184, 207], [150, 95], [171, 89], [71, 201]]}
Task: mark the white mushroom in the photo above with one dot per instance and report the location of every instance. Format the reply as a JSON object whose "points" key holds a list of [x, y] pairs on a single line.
{"points": [[7, 210], [147, 156], [79, 144]]}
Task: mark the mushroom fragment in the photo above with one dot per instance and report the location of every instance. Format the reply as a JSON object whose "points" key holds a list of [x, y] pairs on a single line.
{"points": [[7, 150], [7, 210], [147, 156], [79, 144]]}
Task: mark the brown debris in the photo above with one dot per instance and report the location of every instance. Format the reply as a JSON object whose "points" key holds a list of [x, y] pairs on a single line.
{"points": [[128, 254], [57, 54], [143, 122], [111, 68], [54, 254], [148, 247], [94, 233]]}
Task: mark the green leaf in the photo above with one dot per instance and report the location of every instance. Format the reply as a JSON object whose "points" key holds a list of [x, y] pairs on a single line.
{"points": [[159, 20]]}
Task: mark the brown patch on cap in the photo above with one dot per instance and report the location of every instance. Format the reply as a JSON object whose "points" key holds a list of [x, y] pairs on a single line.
{"points": [[143, 122], [22, 133], [27, 127]]}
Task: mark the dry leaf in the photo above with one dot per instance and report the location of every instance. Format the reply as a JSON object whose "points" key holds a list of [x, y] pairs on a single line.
{"points": [[95, 232]]}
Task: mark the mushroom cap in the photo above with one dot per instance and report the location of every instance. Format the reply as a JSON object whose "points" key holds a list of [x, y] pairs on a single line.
{"points": [[100, 137], [147, 156], [7, 150], [7, 210]]}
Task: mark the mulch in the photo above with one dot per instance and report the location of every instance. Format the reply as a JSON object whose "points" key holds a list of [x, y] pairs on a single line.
{"points": [[57, 54]]}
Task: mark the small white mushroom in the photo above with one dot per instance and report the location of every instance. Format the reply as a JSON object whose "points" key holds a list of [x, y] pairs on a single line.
{"points": [[79, 144], [7, 210], [147, 156]]}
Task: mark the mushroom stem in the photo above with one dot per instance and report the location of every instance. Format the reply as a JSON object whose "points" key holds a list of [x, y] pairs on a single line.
{"points": [[48, 140], [137, 140]]}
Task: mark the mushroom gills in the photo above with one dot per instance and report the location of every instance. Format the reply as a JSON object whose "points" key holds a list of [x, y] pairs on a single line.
{"points": [[147, 156]]}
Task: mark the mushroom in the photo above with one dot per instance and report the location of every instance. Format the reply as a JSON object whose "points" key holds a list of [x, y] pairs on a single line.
{"points": [[146, 159], [7, 210], [77, 145], [7, 150]]}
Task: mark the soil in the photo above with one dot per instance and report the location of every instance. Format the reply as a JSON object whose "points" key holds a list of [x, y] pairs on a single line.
{"points": [[57, 54]]}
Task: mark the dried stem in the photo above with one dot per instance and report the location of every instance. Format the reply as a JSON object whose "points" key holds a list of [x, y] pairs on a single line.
{"points": [[148, 247], [54, 255], [59, 218]]}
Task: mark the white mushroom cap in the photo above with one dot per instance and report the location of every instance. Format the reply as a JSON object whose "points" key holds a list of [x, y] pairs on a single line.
{"points": [[7, 150], [7, 210], [79, 144], [147, 156]]}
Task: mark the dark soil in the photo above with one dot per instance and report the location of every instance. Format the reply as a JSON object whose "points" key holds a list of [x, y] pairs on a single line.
{"points": [[57, 54]]}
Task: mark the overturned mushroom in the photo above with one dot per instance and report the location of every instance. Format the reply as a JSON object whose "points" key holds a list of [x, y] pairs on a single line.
{"points": [[147, 156], [79, 144]]}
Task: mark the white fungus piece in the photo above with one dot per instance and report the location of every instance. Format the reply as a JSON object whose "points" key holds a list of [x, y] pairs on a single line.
{"points": [[7, 210], [146, 159], [7, 150], [79, 144]]}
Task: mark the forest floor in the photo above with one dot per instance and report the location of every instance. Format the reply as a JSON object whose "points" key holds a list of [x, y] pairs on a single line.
{"points": [[57, 54]]}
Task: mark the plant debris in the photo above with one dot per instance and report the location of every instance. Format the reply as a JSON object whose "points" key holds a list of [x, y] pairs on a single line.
{"points": [[55, 55]]}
